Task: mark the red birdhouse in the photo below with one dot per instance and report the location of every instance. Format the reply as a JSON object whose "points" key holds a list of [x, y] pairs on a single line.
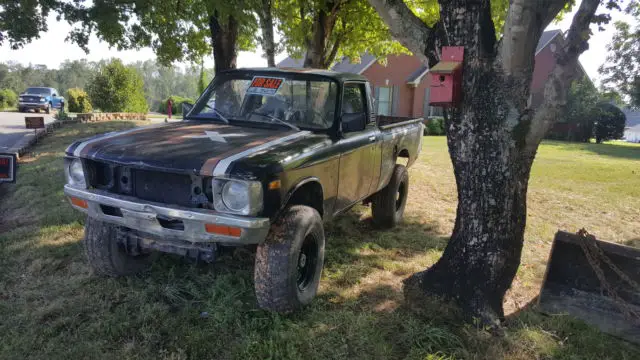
{"points": [[446, 78]]}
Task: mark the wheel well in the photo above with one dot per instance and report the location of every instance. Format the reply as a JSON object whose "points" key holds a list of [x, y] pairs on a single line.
{"points": [[309, 194], [404, 153]]}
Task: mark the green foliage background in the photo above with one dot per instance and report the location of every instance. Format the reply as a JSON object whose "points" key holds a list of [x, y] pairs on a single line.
{"points": [[116, 88], [8, 98]]}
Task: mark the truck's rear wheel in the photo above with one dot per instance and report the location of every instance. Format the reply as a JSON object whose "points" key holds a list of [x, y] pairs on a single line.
{"points": [[106, 255], [289, 263], [388, 204]]}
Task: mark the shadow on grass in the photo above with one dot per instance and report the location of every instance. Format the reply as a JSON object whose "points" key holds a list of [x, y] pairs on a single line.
{"points": [[624, 151]]}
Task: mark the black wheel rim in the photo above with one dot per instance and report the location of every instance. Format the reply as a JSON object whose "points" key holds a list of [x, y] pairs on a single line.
{"points": [[307, 260], [401, 194]]}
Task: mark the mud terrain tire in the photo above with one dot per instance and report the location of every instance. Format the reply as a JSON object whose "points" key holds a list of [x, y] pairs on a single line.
{"points": [[388, 204], [105, 255], [289, 263]]}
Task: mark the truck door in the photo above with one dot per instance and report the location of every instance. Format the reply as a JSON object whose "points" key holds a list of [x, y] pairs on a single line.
{"points": [[357, 147]]}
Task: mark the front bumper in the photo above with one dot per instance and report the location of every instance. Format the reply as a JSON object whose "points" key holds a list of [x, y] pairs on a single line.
{"points": [[26, 105], [152, 218]]}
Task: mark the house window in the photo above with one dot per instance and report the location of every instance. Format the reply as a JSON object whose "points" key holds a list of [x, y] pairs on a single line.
{"points": [[385, 97]]}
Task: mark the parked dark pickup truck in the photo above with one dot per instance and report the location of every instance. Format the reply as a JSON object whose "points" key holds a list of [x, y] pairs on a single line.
{"points": [[263, 157]]}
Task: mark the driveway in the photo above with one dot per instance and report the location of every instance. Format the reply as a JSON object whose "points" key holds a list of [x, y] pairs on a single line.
{"points": [[12, 129]]}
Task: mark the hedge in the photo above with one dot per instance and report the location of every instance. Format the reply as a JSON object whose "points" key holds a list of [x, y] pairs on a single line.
{"points": [[78, 101], [8, 98], [177, 104], [434, 126]]}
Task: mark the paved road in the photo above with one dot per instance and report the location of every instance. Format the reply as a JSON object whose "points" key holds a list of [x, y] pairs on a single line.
{"points": [[12, 128]]}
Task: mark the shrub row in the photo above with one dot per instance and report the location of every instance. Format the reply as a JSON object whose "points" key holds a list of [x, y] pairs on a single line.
{"points": [[176, 108], [8, 98]]}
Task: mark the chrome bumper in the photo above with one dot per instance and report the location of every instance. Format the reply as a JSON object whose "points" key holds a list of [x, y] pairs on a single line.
{"points": [[143, 216]]}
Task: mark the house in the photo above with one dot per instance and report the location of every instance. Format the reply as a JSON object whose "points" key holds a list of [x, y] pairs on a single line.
{"points": [[402, 86], [632, 126]]}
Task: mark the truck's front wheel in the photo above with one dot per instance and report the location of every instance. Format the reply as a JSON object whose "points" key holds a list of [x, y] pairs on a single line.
{"points": [[388, 204], [106, 255], [289, 262]]}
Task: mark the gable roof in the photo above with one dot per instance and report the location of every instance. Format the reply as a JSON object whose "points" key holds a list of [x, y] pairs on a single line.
{"points": [[290, 62], [545, 39], [345, 65]]}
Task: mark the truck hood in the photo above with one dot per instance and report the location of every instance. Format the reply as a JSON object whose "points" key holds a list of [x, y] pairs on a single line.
{"points": [[193, 147]]}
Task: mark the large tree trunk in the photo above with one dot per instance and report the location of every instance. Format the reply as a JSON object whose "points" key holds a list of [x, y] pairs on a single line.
{"points": [[319, 54], [492, 135], [224, 41], [265, 16]]}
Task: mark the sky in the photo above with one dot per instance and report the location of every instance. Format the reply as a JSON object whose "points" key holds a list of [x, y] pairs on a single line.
{"points": [[51, 49]]}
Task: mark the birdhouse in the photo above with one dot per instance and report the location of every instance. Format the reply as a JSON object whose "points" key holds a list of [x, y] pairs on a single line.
{"points": [[446, 78]]}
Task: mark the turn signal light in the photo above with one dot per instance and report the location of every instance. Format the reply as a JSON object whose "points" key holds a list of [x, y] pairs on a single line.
{"points": [[223, 230], [79, 202]]}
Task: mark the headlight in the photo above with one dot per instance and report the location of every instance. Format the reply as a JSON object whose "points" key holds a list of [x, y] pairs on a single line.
{"points": [[42, 99], [75, 173], [21, 98], [237, 196]]}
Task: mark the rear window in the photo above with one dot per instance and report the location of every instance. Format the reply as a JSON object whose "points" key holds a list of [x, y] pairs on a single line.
{"points": [[38, 91]]}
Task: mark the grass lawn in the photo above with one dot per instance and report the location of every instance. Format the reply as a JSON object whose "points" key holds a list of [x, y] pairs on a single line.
{"points": [[52, 307]]}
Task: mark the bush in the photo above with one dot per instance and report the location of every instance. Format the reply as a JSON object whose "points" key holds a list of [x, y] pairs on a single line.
{"points": [[8, 98], [434, 126], [118, 88], [78, 101], [177, 104], [609, 123]]}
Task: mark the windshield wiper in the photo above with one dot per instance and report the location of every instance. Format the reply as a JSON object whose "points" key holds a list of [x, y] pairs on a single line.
{"points": [[275, 119]]}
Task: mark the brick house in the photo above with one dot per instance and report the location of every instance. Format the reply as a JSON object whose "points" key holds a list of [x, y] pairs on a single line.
{"points": [[402, 86]]}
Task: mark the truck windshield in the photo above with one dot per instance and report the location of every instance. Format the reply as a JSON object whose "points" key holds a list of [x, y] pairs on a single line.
{"points": [[38, 91], [306, 104]]}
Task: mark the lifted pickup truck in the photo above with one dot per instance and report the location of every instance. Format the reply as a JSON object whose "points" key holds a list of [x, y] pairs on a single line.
{"points": [[263, 157]]}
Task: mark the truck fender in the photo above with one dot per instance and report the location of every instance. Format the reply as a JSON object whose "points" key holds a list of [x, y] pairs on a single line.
{"points": [[291, 195]]}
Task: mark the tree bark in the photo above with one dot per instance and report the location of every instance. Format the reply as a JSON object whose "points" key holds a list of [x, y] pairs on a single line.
{"points": [[492, 135], [265, 16], [224, 41], [318, 54]]}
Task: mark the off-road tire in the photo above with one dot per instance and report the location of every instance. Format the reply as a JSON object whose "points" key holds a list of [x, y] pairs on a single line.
{"points": [[388, 204], [277, 273], [105, 255], [48, 109]]}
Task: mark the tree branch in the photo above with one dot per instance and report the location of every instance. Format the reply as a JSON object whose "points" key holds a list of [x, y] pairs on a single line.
{"points": [[405, 26], [557, 85]]}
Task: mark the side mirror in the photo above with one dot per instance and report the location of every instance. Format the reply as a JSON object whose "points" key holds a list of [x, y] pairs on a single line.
{"points": [[186, 107], [54, 95], [353, 122]]}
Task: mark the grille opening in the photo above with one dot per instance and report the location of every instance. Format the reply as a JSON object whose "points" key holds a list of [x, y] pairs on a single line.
{"points": [[169, 223], [102, 174], [110, 210]]}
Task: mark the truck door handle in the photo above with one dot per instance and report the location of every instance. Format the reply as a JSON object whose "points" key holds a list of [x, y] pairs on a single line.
{"points": [[372, 138]]}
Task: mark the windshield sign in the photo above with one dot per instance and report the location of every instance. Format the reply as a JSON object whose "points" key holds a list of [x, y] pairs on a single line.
{"points": [[261, 85]]}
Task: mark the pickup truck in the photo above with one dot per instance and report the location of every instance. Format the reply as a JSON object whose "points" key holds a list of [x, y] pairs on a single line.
{"points": [[264, 157], [40, 98]]}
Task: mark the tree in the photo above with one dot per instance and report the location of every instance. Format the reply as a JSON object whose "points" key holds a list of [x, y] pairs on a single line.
{"points": [[202, 79], [492, 134], [622, 68], [322, 31], [578, 118], [610, 122], [23, 21], [264, 9], [117, 88], [184, 30]]}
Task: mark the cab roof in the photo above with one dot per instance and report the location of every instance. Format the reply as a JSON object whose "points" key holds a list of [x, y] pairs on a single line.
{"points": [[337, 76]]}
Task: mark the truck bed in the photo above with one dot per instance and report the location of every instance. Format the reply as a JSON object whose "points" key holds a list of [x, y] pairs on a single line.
{"points": [[388, 122]]}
